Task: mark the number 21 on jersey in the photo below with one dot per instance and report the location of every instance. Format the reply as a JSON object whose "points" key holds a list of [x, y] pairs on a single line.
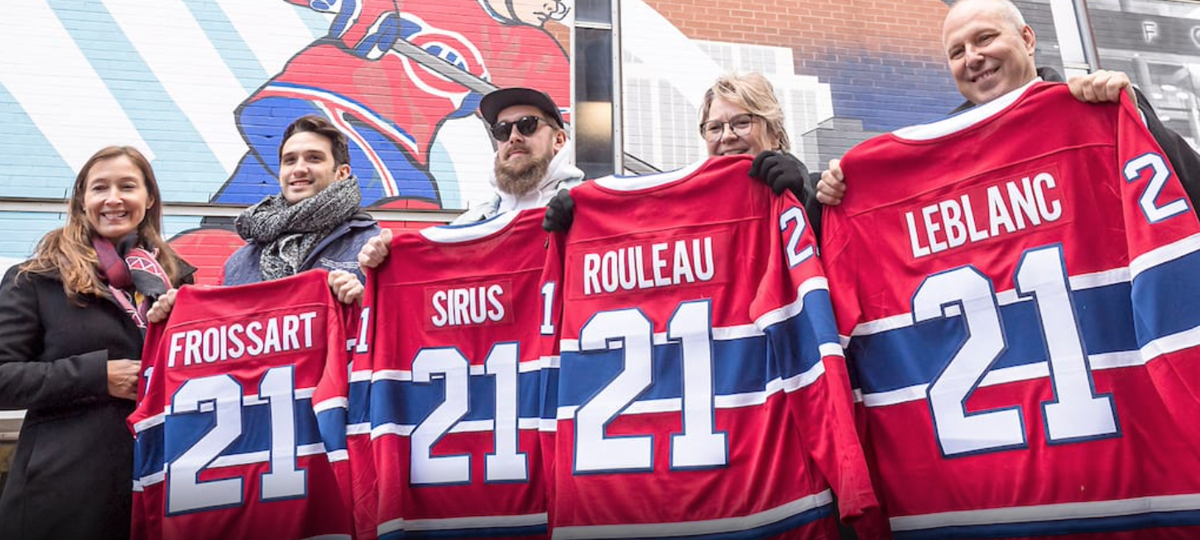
{"points": [[1076, 413]]}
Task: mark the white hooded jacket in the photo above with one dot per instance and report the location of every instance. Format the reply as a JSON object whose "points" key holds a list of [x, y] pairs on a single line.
{"points": [[560, 175]]}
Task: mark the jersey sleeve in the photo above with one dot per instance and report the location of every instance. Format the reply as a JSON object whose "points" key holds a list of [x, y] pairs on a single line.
{"points": [[146, 424], [356, 431], [331, 397], [552, 290], [1163, 237], [792, 307], [838, 265]]}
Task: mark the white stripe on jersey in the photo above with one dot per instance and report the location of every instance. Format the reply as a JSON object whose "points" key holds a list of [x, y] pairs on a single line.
{"points": [[336, 402], [463, 426], [726, 401], [1048, 512], [793, 309], [1164, 254], [479, 522], [719, 333], [693, 528], [151, 421]]}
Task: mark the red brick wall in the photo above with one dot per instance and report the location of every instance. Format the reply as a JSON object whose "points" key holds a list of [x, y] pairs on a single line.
{"points": [[814, 27]]}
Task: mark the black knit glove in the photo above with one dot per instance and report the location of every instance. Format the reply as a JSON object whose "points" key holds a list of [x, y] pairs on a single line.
{"points": [[560, 212], [780, 171]]}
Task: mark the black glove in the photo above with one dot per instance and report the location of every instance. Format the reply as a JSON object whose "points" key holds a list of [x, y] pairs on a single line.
{"points": [[780, 171], [560, 212]]}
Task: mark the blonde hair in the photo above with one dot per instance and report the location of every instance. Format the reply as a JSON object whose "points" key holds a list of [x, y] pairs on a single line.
{"points": [[754, 93], [68, 250]]}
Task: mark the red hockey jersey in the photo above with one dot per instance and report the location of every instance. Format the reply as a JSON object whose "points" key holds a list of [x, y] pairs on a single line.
{"points": [[227, 441], [701, 391], [460, 329], [1017, 285]]}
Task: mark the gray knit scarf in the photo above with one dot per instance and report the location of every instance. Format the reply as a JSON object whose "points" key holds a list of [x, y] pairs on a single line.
{"points": [[288, 232]]}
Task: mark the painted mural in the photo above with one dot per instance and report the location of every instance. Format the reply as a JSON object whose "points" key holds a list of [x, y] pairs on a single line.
{"points": [[205, 89]]}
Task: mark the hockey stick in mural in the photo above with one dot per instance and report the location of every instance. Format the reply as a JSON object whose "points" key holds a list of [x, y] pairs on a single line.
{"points": [[450, 71], [442, 67]]}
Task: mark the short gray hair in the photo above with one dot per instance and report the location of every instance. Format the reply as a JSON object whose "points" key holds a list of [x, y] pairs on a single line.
{"points": [[1005, 8]]}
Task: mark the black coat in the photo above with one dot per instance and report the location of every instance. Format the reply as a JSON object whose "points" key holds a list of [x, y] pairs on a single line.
{"points": [[72, 473]]}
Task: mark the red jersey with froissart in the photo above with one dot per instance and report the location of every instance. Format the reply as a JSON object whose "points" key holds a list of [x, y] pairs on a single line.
{"points": [[227, 441]]}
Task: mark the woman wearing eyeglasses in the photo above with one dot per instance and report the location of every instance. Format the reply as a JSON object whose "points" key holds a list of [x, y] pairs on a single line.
{"points": [[740, 115]]}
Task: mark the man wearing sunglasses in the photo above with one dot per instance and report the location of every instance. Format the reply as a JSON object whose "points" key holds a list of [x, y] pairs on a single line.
{"points": [[533, 152], [532, 163]]}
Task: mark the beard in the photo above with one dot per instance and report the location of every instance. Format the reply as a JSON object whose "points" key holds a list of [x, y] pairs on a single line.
{"points": [[521, 175]]}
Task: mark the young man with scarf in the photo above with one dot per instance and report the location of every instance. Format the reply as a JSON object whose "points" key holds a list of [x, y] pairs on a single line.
{"points": [[314, 222], [533, 160]]}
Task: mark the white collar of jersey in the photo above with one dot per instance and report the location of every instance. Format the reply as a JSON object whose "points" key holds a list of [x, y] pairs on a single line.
{"points": [[962, 120], [635, 183], [452, 234]]}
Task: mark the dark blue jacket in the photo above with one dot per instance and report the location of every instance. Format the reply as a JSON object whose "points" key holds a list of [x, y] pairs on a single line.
{"points": [[338, 251]]}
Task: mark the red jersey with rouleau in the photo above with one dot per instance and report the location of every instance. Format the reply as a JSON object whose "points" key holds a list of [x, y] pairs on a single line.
{"points": [[700, 390]]}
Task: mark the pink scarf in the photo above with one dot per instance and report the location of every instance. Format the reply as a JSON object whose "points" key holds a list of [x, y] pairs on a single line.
{"points": [[132, 274]]}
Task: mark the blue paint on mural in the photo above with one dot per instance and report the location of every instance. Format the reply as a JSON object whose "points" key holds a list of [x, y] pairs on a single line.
{"points": [[233, 50], [181, 161], [867, 89], [40, 171]]}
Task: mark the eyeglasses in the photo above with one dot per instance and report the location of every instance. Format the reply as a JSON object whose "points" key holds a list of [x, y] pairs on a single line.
{"points": [[712, 130], [527, 125]]}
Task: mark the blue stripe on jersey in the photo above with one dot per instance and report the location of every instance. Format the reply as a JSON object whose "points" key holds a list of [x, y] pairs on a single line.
{"points": [[795, 342], [549, 397], [359, 403], [332, 425], [773, 529], [489, 532], [148, 449], [1166, 296], [914, 355], [739, 366], [1058, 527], [409, 403], [184, 430], [769, 530]]}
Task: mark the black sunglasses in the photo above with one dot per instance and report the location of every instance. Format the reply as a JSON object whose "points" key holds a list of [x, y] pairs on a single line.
{"points": [[502, 130]]}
